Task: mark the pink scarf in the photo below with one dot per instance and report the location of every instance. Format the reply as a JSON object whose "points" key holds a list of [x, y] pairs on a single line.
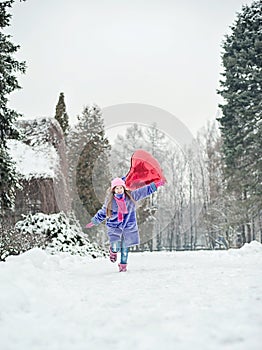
{"points": [[122, 209]]}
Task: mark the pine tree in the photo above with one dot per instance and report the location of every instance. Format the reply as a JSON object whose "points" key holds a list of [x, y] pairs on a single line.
{"points": [[241, 123], [88, 161], [61, 116], [8, 83]]}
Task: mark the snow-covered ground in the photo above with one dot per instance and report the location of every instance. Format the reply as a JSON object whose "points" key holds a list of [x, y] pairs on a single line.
{"points": [[179, 300]]}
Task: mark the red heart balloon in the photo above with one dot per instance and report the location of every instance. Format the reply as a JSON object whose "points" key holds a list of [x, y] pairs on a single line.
{"points": [[144, 170]]}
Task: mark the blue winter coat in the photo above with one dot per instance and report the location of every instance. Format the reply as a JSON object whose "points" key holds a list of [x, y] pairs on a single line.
{"points": [[128, 228]]}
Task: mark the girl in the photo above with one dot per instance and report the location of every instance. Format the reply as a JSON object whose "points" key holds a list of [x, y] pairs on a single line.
{"points": [[119, 212]]}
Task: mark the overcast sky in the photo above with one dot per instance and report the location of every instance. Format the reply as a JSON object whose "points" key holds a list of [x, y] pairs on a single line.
{"points": [[163, 53]]}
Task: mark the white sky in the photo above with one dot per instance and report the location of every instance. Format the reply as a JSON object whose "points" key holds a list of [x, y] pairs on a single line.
{"points": [[164, 53]]}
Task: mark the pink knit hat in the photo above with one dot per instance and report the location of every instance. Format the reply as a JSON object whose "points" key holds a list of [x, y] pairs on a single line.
{"points": [[117, 182]]}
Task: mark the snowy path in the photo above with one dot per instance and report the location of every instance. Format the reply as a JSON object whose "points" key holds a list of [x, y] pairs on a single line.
{"points": [[186, 300]]}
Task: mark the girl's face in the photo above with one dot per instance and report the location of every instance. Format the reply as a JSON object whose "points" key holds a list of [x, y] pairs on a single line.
{"points": [[119, 189]]}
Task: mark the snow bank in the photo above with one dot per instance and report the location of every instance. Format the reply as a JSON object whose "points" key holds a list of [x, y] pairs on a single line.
{"points": [[251, 248], [206, 300], [248, 248]]}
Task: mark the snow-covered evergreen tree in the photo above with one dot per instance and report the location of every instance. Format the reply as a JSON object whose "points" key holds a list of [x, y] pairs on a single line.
{"points": [[61, 115], [241, 123], [88, 161], [58, 233], [8, 83]]}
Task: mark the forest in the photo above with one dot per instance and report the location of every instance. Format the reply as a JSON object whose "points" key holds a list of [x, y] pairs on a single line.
{"points": [[212, 198]]}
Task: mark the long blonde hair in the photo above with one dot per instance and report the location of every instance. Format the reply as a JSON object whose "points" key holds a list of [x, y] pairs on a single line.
{"points": [[110, 199]]}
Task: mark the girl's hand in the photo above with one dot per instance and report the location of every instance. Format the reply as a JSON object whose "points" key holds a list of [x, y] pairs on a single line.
{"points": [[89, 225], [160, 183]]}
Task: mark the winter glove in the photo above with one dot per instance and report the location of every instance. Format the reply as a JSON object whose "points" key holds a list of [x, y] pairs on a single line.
{"points": [[160, 183], [89, 225]]}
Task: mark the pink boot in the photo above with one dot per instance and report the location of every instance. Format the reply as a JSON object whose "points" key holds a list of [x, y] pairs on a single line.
{"points": [[112, 255], [122, 267]]}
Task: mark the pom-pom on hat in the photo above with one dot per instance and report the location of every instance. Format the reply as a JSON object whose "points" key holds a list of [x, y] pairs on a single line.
{"points": [[117, 182]]}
